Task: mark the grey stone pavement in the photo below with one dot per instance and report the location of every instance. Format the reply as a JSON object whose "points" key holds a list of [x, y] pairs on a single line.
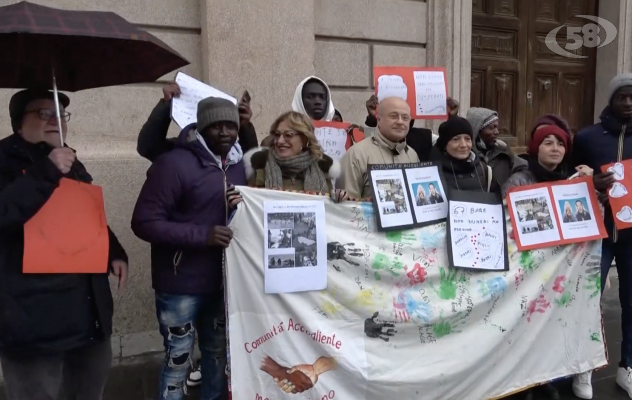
{"points": [[136, 378]]}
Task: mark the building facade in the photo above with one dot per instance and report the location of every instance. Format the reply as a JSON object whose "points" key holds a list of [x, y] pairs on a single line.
{"points": [[492, 50]]}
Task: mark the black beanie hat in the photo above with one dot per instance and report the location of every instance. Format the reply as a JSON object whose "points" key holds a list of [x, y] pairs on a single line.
{"points": [[453, 127]]}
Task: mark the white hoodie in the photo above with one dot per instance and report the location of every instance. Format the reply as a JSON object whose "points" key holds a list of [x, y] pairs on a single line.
{"points": [[297, 103]]}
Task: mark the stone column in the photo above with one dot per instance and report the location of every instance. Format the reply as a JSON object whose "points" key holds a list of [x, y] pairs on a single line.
{"points": [[450, 45], [265, 47], [616, 57]]}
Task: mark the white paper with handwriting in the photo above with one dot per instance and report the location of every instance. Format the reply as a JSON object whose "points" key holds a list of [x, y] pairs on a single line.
{"points": [[192, 91]]}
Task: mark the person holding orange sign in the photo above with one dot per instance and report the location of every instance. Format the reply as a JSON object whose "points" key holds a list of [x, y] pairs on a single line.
{"points": [[56, 253]]}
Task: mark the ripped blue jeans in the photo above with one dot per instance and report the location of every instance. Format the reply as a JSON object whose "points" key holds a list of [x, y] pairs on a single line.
{"points": [[181, 317]]}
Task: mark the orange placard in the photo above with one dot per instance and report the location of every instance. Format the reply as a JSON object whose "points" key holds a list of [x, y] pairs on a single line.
{"points": [[69, 233], [619, 193], [424, 88], [555, 213]]}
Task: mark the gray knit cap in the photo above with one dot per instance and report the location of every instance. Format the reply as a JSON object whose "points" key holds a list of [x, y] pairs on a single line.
{"points": [[480, 118], [215, 109], [618, 82]]}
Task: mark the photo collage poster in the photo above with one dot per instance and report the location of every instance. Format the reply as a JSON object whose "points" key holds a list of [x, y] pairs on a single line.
{"points": [[295, 256], [619, 194], [408, 195], [555, 213], [477, 234]]}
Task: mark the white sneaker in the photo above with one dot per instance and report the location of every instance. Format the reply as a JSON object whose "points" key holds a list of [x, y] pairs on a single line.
{"points": [[624, 379], [582, 386], [195, 377]]}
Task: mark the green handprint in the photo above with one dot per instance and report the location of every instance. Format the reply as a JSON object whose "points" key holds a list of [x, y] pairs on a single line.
{"points": [[446, 327], [447, 285], [527, 261], [595, 337], [382, 262], [564, 299], [398, 237], [593, 275]]}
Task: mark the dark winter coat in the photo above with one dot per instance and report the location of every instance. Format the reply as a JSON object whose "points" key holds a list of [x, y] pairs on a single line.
{"points": [[471, 175], [44, 313], [598, 145], [152, 139], [181, 200]]}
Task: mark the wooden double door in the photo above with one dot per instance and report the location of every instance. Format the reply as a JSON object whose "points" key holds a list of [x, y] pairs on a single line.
{"points": [[516, 74]]}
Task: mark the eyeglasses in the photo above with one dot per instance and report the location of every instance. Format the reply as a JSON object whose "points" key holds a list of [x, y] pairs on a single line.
{"points": [[286, 135], [46, 114]]}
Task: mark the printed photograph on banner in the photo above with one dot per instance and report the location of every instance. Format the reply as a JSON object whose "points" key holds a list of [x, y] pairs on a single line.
{"points": [[295, 246], [534, 216], [323, 357], [427, 193], [477, 235], [430, 93], [390, 196], [575, 211]]}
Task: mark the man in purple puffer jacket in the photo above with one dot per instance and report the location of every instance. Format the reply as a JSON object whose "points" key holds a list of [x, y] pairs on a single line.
{"points": [[182, 212]]}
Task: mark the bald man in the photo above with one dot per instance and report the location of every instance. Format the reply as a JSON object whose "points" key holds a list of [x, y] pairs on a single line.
{"points": [[386, 146]]}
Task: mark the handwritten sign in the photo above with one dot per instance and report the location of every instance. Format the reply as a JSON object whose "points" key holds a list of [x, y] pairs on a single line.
{"points": [[332, 137], [619, 193], [424, 89], [192, 91]]}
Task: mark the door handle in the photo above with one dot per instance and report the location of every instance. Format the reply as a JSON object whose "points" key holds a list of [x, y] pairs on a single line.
{"points": [[529, 97]]}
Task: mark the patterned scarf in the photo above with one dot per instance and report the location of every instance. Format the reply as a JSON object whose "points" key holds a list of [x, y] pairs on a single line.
{"points": [[314, 179]]}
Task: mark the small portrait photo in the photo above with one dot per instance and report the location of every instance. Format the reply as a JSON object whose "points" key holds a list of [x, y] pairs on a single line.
{"points": [[427, 193], [280, 220], [391, 196], [281, 261], [306, 258], [279, 238], [574, 210]]}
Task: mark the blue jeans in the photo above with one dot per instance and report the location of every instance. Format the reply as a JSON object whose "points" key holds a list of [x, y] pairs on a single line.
{"points": [[622, 253], [180, 317]]}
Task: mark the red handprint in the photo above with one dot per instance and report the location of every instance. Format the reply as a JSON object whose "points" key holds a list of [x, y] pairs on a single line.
{"points": [[401, 310], [558, 286], [519, 277], [416, 275], [538, 305]]}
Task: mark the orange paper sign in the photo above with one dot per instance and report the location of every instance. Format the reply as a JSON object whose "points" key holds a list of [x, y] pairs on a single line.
{"points": [[555, 213], [425, 89], [69, 233], [619, 193]]}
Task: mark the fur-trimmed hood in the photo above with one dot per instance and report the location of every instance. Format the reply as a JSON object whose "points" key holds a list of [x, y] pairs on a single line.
{"points": [[257, 158]]}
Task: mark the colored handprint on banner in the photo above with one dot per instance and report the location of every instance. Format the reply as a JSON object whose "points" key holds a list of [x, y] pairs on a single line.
{"points": [[593, 275], [492, 288], [539, 305], [561, 286], [400, 237], [446, 327], [408, 308], [416, 275], [376, 329], [381, 262], [447, 284]]}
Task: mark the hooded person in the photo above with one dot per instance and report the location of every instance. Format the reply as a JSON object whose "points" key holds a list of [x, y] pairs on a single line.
{"points": [[313, 98], [182, 212], [607, 142], [462, 168], [495, 152]]}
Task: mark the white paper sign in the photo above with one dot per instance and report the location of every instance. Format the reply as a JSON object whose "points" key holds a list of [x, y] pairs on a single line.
{"points": [[428, 194], [332, 140], [391, 198], [477, 235], [391, 86], [534, 216], [295, 256], [575, 211], [430, 92], [192, 91]]}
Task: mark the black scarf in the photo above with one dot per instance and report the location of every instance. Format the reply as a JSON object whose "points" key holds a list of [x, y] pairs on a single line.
{"points": [[544, 175]]}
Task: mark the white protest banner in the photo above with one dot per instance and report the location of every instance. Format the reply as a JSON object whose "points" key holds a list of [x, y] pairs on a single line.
{"points": [[332, 137], [395, 322], [184, 107]]}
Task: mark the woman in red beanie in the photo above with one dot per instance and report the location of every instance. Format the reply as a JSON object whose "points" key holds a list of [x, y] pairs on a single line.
{"points": [[547, 154]]}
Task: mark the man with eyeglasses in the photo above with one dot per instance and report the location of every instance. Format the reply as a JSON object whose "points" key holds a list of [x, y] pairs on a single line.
{"points": [[54, 328]]}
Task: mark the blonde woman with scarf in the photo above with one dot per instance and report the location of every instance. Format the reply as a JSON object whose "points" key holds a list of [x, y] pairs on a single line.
{"points": [[295, 161]]}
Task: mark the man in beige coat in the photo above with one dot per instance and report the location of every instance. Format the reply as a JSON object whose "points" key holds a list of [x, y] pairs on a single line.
{"points": [[386, 146]]}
